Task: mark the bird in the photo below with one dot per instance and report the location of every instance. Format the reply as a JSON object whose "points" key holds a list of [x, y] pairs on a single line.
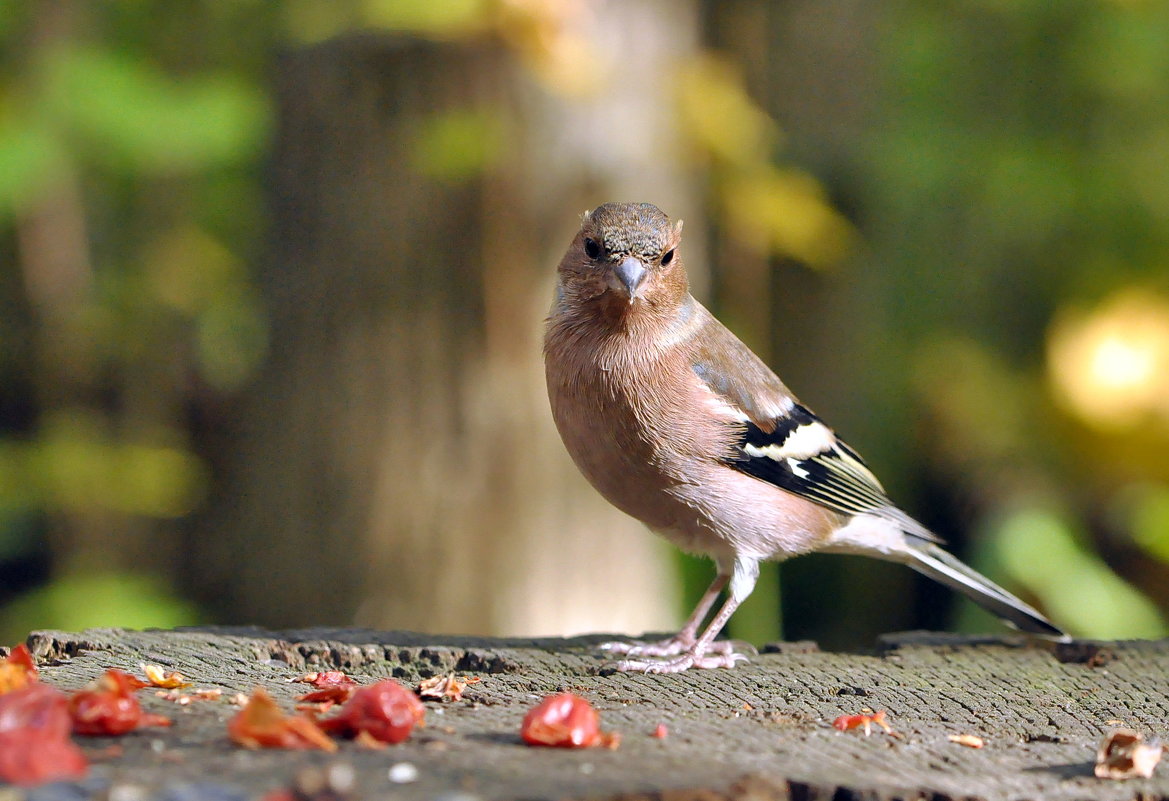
{"points": [[676, 422]]}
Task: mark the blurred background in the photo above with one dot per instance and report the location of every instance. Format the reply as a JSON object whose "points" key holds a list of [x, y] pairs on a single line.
{"points": [[273, 274]]}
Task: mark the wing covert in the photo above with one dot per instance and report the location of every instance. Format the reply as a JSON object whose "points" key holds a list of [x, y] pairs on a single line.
{"points": [[802, 455]]}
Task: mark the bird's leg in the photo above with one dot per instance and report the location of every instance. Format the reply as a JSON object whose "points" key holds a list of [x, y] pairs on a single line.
{"points": [[684, 639], [701, 654]]}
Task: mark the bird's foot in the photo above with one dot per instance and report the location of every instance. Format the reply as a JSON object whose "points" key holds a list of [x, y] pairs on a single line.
{"points": [[682, 662], [670, 647]]}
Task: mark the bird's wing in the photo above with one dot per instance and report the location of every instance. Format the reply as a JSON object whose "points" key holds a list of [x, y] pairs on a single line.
{"points": [[785, 444]]}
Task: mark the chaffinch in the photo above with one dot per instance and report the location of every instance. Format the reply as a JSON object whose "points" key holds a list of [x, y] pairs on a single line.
{"points": [[677, 423]]}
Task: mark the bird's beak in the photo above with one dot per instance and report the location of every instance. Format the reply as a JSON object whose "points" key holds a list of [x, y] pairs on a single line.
{"points": [[630, 273]]}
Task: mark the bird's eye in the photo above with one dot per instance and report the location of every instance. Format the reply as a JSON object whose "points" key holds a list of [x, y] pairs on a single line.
{"points": [[668, 257], [592, 249]]}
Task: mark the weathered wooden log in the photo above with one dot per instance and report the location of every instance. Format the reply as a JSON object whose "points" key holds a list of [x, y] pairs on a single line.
{"points": [[760, 731]]}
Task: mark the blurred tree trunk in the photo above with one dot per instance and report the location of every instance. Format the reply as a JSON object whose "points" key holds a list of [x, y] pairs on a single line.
{"points": [[395, 463], [54, 259]]}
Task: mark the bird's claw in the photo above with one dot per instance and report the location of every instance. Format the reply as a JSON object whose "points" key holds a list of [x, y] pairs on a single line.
{"points": [[683, 662]]}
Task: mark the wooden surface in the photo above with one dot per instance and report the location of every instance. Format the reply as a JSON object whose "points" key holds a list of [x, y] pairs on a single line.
{"points": [[760, 731]]}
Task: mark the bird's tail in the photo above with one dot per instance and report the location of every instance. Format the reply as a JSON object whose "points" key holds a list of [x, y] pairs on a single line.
{"points": [[930, 560]]}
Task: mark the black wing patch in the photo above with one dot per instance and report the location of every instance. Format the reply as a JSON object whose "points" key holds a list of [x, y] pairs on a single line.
{"points": [[833, 475]]}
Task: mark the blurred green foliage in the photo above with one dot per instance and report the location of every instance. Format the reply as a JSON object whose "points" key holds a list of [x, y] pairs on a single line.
{"points": [[72, 465], [1021, 168], [458, 144], [1048, 554], [131, 146], [770, 207], [1145, 511], [79, 602]]}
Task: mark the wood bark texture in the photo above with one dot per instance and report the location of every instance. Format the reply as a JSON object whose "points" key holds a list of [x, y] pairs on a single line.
{"points": [[761, 731]]}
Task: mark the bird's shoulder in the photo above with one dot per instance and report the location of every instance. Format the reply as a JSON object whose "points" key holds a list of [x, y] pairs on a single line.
{"points": [[733, 372]]}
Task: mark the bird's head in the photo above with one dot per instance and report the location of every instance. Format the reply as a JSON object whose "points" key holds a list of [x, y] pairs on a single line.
{"points": [[624, 259]]}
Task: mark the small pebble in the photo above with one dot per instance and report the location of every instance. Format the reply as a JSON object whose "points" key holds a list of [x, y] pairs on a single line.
{"points": [[128, 792], [335, 780], [342, 776], [403, 773]]}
